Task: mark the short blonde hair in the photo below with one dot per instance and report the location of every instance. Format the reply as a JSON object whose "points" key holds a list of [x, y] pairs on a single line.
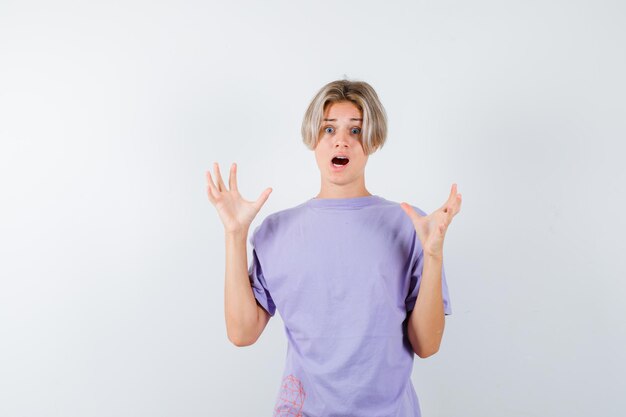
{"points": [[374, 127]]}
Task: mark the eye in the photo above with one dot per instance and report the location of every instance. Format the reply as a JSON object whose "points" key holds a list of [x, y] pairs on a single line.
{"points": [[326, 129], [356, 130]]}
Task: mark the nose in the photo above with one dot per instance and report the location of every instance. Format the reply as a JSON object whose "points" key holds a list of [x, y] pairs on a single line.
{"points": [[342, 139]]}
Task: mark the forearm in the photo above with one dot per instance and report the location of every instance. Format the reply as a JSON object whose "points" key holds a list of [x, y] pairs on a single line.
{"points": [[427, 321], [239, 303]]}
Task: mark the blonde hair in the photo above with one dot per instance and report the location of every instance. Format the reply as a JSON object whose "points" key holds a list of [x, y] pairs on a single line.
{"points": [[374, 127]]}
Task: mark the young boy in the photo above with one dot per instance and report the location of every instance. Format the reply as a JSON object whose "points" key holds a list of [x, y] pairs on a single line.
{"points": [[358, 279]]}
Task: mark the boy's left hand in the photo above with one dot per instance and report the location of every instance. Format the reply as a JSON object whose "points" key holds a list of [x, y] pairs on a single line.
{"points": [[431, 229]]}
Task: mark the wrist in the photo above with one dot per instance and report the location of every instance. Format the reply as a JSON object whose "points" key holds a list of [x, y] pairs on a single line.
{"points": [[237, 233], [433, 256]]}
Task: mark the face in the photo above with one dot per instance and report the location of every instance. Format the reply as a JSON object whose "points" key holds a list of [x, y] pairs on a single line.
{"points": [[341, 134]]}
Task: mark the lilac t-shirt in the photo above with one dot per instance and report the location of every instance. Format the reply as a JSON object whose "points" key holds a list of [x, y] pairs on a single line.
{"points": [[344, 273]]}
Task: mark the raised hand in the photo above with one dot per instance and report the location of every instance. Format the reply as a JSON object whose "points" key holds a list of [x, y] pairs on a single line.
{"points": [[431, 229], [235, 212]]}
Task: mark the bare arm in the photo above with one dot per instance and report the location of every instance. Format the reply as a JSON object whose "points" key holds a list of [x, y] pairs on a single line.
{"points": [[426, 322], [245, 319]]}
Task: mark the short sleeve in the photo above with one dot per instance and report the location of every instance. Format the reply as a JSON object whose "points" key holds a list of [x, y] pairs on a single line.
{"points": [[416, 279], [257, 281]]}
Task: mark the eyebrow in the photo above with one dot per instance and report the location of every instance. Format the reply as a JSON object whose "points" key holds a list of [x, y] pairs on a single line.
{"points": [[334, 120]]}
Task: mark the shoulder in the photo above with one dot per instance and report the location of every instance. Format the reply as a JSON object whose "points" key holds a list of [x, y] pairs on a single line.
{"points": [[394, 210], [401, 225], [278, 222]]}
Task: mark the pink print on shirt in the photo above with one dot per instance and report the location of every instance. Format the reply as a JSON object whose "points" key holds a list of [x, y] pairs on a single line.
{"points": [[291, 398]]}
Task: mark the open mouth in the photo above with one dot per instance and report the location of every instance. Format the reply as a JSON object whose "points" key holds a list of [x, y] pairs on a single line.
{"points": [[340, 161]]}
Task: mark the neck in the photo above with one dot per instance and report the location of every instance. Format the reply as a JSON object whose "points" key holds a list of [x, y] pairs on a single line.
{"points": [[343, 192]]}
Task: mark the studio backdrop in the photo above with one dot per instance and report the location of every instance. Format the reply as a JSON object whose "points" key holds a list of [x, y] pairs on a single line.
{"points": [[112, 257]]}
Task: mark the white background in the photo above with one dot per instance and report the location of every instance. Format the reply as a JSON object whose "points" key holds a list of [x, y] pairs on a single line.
{"points": [[112, 257]]}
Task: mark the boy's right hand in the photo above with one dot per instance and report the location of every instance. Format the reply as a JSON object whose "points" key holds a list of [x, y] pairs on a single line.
{"points": [[235, 212]]}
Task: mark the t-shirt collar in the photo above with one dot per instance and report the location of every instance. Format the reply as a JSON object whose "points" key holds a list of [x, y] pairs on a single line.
{"points": [[350, 202]]}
